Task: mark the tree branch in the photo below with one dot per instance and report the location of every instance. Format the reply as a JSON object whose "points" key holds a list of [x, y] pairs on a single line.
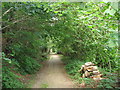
{"points": [[14, 23], [7, 11]]}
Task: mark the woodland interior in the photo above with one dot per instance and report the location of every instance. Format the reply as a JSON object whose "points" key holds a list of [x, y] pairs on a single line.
{"points": [[83, 34]]}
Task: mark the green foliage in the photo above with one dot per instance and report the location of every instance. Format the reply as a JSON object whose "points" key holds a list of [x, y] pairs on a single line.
{"points": [[88, 33], [109, 82], [29, 65], [9, 78], [106, 83], [25, 47], [84, 30], [73, 65]]}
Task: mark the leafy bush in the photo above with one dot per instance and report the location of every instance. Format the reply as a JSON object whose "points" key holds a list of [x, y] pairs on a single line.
{"points": [[24, 41], [86, 31], [73, 65], [107, 83], [28, 64], [9, 78]]}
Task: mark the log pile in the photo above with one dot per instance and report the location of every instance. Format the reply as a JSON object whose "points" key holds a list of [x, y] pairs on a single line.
{"points": [[89, 70]]}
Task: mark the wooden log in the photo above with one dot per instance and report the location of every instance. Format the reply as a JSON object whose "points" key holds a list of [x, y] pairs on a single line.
{"points": [[83, 76], [89, 64], [97, 77], [82, 69], [96, 72], [87, 74], [92, 68]]}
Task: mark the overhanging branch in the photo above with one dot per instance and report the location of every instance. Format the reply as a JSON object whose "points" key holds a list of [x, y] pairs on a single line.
{"points": [[14, 23]]}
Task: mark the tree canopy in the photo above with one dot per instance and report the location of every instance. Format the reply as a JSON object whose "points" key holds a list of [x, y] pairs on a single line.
{"points": [[87, 31]]}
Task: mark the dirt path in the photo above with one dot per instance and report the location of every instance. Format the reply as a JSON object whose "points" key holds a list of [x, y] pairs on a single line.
{"points": [[53, 75]]}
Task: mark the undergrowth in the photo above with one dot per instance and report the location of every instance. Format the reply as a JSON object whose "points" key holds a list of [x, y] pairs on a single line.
{"points": [[21, 58], [73, 65], [85, 30]]}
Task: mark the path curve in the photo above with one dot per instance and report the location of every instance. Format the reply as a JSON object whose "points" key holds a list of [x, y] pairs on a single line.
{"points": [[53, 75]]}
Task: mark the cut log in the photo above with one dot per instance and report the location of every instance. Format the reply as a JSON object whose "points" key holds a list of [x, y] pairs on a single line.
{"points": [[88, 70], [92, 68], [97, 76], [82, 69], [96, 72], [83, 76], [89, 64], [87, 74]]}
